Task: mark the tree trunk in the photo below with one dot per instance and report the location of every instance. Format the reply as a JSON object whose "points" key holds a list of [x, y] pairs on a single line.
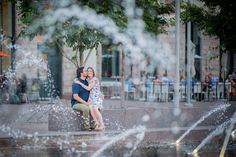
{"points": [[89, 53], [81, 59]]}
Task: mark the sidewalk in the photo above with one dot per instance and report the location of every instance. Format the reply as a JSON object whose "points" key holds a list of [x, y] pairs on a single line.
{"points": [[109, 104], [24, 129]]}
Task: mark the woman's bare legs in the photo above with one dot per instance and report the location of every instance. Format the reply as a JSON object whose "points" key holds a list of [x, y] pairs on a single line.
{"points": [[98, 117], [94, 117]]}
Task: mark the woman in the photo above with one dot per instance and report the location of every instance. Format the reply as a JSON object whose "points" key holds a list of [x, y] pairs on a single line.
{"points": [[95, 97]]}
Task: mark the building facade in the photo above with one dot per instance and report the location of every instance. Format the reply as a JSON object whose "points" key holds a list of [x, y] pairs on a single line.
{"points": [[7, 31], [107, 59]]}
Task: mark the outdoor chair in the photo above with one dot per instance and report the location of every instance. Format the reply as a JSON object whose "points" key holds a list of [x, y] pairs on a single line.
{"points": [[197, 91], [142, 92], [157, 91], [164, 92], [220, 90], [129, 92], [182, 90], [150, 92]]}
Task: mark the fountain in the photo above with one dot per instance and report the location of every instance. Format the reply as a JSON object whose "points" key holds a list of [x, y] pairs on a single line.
{"points": [[140, 136], [217, 131], [202, 119], [228, 132], [152, 133]]}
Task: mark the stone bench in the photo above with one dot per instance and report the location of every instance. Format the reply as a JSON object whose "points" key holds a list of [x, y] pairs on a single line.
{"points": [[62, 117]]}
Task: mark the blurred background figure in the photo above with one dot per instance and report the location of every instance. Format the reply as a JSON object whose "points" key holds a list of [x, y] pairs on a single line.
{"points": [[157, 79], [21, 89], [35, 88]]}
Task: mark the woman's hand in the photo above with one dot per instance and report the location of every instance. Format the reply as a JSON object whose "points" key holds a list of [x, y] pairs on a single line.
{"points": [[77, 81], [89, 103]]}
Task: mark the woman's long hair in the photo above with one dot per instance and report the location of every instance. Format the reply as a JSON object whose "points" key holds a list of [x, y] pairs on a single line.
{"points": [[92, 70]]}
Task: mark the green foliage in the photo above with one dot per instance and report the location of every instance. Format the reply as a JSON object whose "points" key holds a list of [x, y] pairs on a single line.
{"points": [[216, 17], [81, 38], [110, 8], [155, 14]]}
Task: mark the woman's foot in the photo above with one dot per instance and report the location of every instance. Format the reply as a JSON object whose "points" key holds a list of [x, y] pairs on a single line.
{"points": [[97, 126], [102, 127]]}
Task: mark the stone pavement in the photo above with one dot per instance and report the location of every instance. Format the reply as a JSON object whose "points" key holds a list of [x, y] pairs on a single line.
{"points": [[161, 126], [32, 118]]}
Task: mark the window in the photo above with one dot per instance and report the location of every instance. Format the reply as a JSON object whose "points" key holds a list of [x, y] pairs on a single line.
{"points": [[110, 62]]}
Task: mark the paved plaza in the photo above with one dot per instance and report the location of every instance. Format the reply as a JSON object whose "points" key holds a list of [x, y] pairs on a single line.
{"points": [[21, 122]]}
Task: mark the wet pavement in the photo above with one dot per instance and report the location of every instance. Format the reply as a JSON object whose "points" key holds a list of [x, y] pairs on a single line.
{"points": [[24, 131]]}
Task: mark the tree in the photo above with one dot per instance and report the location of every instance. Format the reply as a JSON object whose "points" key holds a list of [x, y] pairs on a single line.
{"points": [[81, 38], [216, 18]]}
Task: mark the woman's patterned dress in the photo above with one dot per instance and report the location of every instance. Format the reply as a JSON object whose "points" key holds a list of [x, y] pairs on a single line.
{"points": [[96, 96]]}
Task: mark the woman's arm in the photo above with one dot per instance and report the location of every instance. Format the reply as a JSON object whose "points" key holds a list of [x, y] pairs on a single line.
{"points": [[89, 87]]}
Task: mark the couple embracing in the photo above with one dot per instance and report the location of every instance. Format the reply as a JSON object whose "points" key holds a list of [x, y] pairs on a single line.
{"points": [[87, 97]]}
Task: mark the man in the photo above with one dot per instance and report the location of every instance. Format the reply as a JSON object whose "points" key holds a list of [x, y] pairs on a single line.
{"points": [[79, 100]]}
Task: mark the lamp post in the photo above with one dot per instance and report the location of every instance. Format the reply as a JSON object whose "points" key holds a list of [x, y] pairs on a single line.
{"points": [[188, 60], [13, 55], [13, 36], [224, 81], [1, 39], [177, 44]]}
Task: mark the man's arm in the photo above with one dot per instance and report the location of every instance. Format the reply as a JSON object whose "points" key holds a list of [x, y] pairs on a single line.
{"points": [[77, 98]]}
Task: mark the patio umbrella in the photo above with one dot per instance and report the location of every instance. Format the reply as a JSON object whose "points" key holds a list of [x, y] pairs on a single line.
{"points": [[3, 54]]}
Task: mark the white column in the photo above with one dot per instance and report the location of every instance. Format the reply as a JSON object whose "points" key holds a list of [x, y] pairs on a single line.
{"points": [[177, 44], [189, 61]]}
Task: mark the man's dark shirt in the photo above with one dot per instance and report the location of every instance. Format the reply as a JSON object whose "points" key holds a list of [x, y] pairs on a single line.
{"points": [[78, 89]]}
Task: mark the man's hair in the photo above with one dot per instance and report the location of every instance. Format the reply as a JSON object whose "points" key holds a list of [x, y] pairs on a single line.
{"points": [[79, 71]]}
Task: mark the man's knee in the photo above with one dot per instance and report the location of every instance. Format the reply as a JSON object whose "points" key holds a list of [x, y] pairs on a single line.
{"points": [[81, 107]]}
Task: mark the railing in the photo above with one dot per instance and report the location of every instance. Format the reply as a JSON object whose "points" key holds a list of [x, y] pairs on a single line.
{"points": [[164, 92], [111, 90]]}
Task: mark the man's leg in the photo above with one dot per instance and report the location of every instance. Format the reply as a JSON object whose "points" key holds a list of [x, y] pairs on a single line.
{"points": [[85, 111]]}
